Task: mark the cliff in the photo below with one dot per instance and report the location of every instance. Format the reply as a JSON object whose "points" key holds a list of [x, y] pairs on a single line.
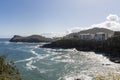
{"points": [[110, 46]]}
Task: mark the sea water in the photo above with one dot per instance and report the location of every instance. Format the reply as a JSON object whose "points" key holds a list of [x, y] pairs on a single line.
{"points": [[35, 63]]}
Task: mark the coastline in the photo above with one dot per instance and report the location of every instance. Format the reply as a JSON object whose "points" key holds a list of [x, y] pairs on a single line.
{"points": [[110, 47]]}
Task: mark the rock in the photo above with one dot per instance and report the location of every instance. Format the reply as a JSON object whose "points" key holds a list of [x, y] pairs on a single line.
{"points": [[32, 38], [110, 46], [115, 59], [77, 79]]}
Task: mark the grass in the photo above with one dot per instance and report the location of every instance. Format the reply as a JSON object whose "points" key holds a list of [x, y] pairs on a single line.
{"points": [[109, 76]]}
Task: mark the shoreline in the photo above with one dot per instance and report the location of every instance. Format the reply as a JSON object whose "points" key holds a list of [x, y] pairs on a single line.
{"points": [[110, 47]]}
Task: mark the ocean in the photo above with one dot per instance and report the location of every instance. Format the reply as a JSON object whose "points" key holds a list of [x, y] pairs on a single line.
{"points": [[35, 63]]}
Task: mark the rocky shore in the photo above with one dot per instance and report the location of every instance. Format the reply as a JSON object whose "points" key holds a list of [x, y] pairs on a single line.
{"points": [[110, 46]]}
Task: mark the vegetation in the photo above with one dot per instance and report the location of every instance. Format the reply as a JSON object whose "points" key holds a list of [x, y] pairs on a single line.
{"points": [[8, 71], [109, 76]]}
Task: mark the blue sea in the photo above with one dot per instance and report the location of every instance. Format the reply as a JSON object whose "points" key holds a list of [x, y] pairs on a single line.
{"points": [[35, 63]]}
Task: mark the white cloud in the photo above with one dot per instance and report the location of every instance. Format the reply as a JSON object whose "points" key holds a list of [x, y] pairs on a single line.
{"points": [[73, 30], [53, 34], [109, 25], [112, 22], [112, 17]]}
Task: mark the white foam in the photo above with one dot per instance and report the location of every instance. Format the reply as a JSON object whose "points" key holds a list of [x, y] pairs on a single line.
{"points": [[99, 58], [44, 70], [5, 42], [59, 50], [30, 65], [28, 59], [33, 52], [93, 63], [37, 46], [65, 59], [73, 77]]}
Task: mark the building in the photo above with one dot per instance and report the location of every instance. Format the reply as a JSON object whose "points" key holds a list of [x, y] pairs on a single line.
{"points": [[86, 36], [92, 34], [96, 36], [100, 36]]}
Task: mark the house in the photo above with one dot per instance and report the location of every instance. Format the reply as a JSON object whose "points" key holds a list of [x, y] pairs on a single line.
{"points": [[117, 33], [92, 34], [86, 36], [96, 34], [71, 36], [100, 36]]}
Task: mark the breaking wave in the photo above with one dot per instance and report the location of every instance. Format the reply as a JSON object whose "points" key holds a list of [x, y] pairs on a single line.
{"points": [[75, 64]]}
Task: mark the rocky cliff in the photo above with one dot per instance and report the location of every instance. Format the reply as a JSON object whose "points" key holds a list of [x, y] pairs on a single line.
{"points": [[111, 46]]}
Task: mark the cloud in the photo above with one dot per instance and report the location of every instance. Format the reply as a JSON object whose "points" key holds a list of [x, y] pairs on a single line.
{"points": [[111, 22], [112, 17], [53, 34], [73, 30]]}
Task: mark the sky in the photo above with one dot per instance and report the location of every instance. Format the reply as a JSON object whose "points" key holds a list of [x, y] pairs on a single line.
{"points": [[27, 17]]}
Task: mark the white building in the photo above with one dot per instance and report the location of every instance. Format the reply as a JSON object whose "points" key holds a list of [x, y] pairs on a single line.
{"points": [[85, 36], [96, 36], [100, 36], [92, 34]]}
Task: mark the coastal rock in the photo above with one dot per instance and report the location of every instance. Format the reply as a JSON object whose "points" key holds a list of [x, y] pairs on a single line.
{"points": [[32, 38], [110, 47], [82, 45]]}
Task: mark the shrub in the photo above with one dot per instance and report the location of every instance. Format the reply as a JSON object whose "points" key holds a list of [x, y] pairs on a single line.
{"points": [[8, 70]]}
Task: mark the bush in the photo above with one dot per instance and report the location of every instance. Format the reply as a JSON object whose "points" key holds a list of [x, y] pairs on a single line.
{"points": [[8, 71]]}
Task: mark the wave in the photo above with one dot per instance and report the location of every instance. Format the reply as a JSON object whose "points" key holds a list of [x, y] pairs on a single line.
{"points": [[63, 58], [30, 61], [80, 77], [36, 57], [99, 58], [37, 46], [4, 42], [72, 55], [60, 50], [45, 70], [76, 64], [30, 65], [33, 52]]}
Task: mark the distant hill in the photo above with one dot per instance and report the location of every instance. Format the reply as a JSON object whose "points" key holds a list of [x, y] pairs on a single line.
{"points": [[90, 31], [32, 38], [95, 30]]}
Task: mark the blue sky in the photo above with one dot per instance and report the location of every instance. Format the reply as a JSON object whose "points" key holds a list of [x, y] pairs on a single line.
{"points": [[26, 17]]}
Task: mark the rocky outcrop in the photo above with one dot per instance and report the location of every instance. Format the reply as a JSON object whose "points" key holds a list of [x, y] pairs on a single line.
{"points": [[32, 38], [83, 45], [111, 46]]}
